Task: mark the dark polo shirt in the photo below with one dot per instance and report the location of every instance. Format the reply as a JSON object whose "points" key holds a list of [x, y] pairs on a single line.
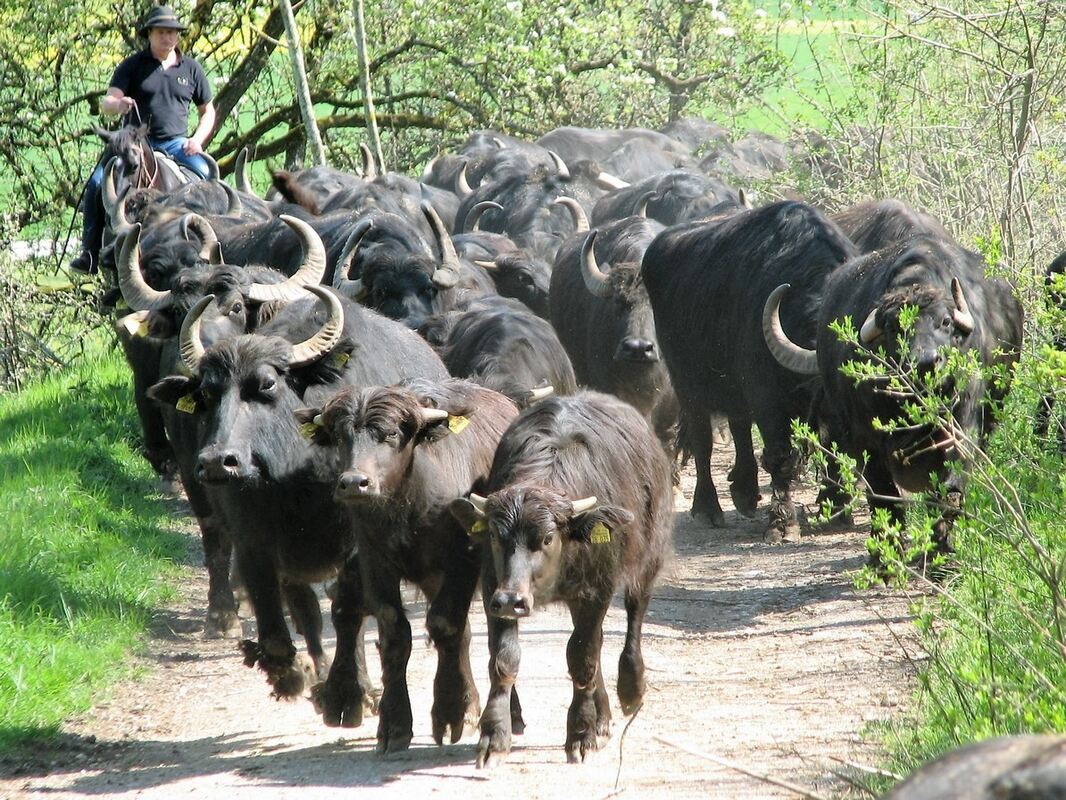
{"points": [[163, 95]]}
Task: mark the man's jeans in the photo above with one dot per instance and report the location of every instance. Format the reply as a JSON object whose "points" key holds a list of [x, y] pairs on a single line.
{"points": [[92, 230]]}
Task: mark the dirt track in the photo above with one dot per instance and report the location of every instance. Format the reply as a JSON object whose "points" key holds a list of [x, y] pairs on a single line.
{"points": [[763, 656]]}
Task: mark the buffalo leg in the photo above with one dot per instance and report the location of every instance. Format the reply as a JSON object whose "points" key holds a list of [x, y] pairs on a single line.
{"points": [[274, 652], [382, 588], [782, 461], [583, 660], [307, 619], [631, 662], [696, 434], [505, 654], [346, 693], [744, 477], [455, 697]]}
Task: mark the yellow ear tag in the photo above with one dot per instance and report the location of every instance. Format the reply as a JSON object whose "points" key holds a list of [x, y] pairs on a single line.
{"points": [[308, 430], [340, 359], [600, 534], [135, 324], [478, 527], [121, 304], [457, 424], [186, 404], [142, 330]]}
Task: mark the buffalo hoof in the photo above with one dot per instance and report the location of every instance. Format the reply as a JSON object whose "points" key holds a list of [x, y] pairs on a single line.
{"points": [[747, 505], [493, 748], [581, 746], [630, 689], [518, 724], [452, 715], [777, 534], [395, 742], [713, 517], [289, 682], [342, 703], [222, 624]]}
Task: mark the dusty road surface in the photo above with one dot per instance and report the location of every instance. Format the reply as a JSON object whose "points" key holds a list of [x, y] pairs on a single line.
{"points": [[762, 656]]}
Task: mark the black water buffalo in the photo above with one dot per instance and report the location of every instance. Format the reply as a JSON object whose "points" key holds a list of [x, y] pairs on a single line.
{"points": [[1004, 768], [578, 505], [387, 265], [245, 298], [597, 144], [1056, 303], [604, 318], [669, 198], [504, 346], [958, 309], [513, 271], [273, 490], [708, 282], [879, 223], [403, 454]]}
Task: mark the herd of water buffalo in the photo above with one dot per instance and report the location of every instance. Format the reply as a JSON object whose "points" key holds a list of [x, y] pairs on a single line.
{"points": [[489, 374]]}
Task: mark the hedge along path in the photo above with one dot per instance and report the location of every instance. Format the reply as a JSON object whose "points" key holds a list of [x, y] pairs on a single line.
{"points": [[762, 657]]}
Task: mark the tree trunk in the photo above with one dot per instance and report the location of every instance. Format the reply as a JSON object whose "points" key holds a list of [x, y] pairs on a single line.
{"points": [[299, 77], [364, 82]]}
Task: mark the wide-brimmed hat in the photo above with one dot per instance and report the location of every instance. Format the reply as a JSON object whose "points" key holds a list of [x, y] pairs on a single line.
{"points": [[160, 17]]}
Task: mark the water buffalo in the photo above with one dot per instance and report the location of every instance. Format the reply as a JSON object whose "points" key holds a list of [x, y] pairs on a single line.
{"points": [[708, 282], [578, 505], [403, 454], [1004, 768], [272, 489], [957, 309]]}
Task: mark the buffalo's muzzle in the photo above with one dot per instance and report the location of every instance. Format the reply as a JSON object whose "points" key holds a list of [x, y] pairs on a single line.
{"points": [[218, 465], [635, 349], [355, 485], [510, 605]]}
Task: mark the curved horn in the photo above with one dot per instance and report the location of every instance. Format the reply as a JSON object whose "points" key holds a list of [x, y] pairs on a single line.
{"points": [[108, 195], [540, 393], [234, 206], [560, 165], [135, 290], [642, 204], [119, 221], [478, 502], [788, 354], [309, 274], [581, 222], [462, 185], [962, 316], [202, 228], [189, 342], [427, 172], [341, 282], [213, 172], [473, 219], [500, 144], [328, 335], [595, 278], [447, 275], [432, 414], [606, 180], [370, 166], [745, 201], [489, 265], [869, 330], [240, 173], [583, 505]]}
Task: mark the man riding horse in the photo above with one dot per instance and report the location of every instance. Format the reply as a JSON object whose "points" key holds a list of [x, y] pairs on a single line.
{"points": [[153, 88]]}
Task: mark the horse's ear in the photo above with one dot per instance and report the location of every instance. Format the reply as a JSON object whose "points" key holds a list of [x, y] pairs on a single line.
{"points": [[142, 129], [103, 134]]}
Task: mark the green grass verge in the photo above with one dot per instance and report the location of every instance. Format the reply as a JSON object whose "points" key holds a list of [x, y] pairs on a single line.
{"points": [[89, 546]]}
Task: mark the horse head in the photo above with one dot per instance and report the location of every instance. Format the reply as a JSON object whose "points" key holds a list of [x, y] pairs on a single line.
{"points": [[129, 144]]}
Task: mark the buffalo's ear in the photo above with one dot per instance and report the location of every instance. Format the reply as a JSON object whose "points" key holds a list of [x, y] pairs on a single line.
{"points": [[175, 390], [311, 428], [598, 525], [472, 520]]}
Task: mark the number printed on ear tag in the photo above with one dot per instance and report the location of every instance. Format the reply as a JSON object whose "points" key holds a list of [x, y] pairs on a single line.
{"points": [[186, 404], [600, 534]]}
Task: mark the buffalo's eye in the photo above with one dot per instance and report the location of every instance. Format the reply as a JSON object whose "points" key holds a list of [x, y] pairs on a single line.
{"points": [[547, 540], [525, 278], [947, 322], [236, 308]]}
